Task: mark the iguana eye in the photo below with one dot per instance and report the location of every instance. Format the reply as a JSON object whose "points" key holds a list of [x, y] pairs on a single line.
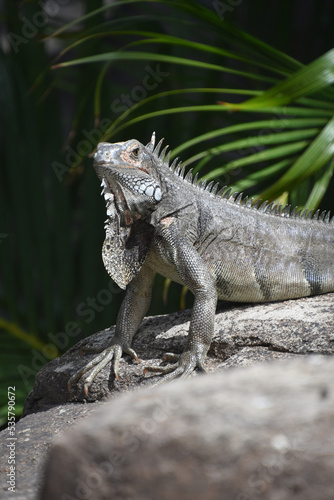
{"points": [[135, 153]]}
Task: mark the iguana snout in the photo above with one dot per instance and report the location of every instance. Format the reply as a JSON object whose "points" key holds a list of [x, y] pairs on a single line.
{"points": [[107, 153]]}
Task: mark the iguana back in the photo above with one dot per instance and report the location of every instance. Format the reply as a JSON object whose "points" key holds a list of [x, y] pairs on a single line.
{"points": [[264, 254]]}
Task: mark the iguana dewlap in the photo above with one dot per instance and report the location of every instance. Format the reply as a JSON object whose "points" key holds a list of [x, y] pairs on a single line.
{"points": [[218, 245]]}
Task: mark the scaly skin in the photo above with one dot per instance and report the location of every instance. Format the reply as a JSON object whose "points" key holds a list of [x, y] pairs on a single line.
{"points": [[219, 246]]}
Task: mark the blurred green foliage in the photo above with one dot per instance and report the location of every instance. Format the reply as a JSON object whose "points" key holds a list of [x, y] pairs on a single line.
{"points": [[202, 74]]}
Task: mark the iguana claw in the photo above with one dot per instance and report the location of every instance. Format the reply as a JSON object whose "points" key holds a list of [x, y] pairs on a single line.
{"points": [[186, 364], [112, 353]]}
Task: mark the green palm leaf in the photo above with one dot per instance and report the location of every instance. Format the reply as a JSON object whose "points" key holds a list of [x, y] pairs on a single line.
{"points": [[308, 87]]}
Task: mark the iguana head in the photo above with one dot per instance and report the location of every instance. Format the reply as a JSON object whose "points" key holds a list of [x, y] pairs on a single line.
{"points": [[129, 177], [132, 188]]}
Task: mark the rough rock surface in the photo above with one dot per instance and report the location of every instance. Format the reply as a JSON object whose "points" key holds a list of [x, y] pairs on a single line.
{"points": [[244, 334], [261, 432], [34, 435]]}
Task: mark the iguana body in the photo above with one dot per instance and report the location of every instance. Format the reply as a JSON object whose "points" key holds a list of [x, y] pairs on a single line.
{"points": [[219, 246]]}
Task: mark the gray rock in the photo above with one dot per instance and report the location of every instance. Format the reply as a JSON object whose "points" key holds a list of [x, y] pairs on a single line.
{"points": [[260, 432], [244, 334], [34, 434]]}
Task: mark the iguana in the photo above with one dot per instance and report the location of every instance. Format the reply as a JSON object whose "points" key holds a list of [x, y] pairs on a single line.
{"points": [[219, 245]]}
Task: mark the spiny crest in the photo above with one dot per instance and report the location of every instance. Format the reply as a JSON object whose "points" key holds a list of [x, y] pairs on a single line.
{"points": [[236, 198], [273, 209], [150, 145]]}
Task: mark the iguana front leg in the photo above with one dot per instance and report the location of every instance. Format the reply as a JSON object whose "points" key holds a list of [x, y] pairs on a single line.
{"points": [[194, 273], [131, 314]]}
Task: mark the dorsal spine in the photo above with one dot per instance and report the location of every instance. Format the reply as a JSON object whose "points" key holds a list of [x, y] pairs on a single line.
{"points": [[225, 192]]}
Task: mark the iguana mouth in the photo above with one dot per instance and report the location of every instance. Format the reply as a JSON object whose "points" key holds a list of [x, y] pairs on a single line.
{"points": [[108, 196], [116, 205]]}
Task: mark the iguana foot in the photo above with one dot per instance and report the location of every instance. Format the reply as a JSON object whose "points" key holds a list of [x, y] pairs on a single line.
{"points": [[114, 352], [186, 364]]}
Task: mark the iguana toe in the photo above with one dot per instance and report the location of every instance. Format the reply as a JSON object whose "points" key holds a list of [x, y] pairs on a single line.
{"points": [[93, 367], [186, 364]]}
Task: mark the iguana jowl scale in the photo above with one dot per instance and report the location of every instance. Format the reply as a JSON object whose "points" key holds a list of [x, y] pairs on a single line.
{"points": [[218, 245]]}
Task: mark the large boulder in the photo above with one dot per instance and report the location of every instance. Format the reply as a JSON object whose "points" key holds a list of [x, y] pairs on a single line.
{"points": [[261, 432], [244, 334]]}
